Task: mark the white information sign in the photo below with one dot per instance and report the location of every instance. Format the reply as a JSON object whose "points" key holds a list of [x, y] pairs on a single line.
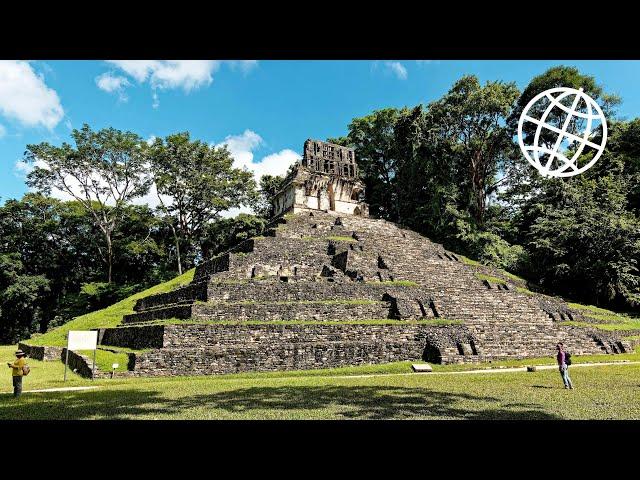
{"points": [[82, 340]]}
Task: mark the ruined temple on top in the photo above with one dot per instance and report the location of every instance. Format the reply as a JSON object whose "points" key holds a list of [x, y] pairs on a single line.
{"points": [[326, 286], [326, 180]]}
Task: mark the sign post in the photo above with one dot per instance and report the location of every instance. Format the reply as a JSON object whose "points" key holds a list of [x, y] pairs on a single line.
{"points": [[81, 340], [66, 362]]}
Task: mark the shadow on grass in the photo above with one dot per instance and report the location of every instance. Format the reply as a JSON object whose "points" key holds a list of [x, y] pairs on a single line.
{"points": [[338, 402]]}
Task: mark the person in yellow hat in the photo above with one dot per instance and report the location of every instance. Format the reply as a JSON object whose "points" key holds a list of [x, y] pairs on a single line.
{"points": [[17, 372]]}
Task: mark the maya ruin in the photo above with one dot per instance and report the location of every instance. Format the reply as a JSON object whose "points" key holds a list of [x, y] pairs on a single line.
{"points": [[327, 286]]}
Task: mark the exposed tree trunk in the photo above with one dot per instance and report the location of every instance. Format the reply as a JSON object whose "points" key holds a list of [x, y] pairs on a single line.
{"points": [[177, 240], [109, 257]]}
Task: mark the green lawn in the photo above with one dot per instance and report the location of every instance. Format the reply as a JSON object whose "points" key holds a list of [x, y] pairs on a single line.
{"points": [[609, 392]]}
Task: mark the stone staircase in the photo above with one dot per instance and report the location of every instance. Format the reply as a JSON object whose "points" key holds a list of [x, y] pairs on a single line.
{"points": [[322, 268]]}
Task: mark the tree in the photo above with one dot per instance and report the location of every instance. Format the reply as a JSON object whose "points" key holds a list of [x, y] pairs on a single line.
{"points": [[196, 183], [20, 296], [474, 119], [104, 172], [373, 139], [269, 186], [227, 232]]}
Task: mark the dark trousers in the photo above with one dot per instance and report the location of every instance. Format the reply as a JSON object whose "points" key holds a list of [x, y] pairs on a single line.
{"points": [[17, 386]]}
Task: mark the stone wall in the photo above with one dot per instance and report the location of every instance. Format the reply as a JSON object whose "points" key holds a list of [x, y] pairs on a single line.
{"points": [[313, 268], [42, 353], [221, 348], [136, 338], [81, 364], [270, 311], [189, 293]]}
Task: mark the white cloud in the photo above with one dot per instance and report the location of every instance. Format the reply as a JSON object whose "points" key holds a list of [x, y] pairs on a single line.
{"points": [[187, 75], [113, 84], [276, 163], [26, 98], [170, 74], [23, 168], [3, 131], [245, 66], [241, 148], [397, 69]]}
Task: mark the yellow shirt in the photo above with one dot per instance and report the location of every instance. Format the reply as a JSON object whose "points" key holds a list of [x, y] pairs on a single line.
{"points": [[17, 367]]}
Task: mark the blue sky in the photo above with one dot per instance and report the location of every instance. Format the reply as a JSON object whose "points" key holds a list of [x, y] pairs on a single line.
{"points": [[264, 110]]}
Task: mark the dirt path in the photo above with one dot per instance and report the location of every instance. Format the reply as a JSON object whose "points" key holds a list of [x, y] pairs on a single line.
{"points": [[488, 370], [62, 389]]}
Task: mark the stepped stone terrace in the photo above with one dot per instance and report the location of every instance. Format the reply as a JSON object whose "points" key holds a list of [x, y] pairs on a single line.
{"points": [[324, 290], [327, 286]]}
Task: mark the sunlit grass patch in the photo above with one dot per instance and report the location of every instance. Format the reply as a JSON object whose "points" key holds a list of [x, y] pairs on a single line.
{"points": [[107, 317]]}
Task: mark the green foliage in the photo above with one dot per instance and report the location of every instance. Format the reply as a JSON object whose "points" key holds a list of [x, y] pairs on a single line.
{"points": [[227, 232], [201, 183], [19, 299], [269, 186], [492, 250], [107, 166], [110, 316]]}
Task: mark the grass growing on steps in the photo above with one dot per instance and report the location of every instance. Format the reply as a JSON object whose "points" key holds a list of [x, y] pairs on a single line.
{"points": [[526, 291], [374, 321], [399, 283], [630, 325], [298, 302], [105, 359], [107, 317], [491, 279], [602, 314], [607, 319], [468, 261], [338, 238]]}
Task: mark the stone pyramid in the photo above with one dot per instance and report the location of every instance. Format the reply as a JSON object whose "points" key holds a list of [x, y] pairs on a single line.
{"points": [[328, 287]]}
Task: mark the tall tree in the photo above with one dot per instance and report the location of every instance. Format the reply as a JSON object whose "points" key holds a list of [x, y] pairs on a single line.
{"points": [[195, 183], [475, 117], [103, 172], [373, 139]]}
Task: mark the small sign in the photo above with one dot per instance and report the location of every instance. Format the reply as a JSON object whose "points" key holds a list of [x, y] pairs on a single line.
{"points": [[82, 340], [421, 367]]}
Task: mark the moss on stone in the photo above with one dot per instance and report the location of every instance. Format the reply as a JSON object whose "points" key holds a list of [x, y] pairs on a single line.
{"points": [[337, 238], [491, 279], [399, 283], [373, 321]]}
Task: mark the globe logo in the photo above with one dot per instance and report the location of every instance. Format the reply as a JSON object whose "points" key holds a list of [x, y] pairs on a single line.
{"points": [[566, 131]]}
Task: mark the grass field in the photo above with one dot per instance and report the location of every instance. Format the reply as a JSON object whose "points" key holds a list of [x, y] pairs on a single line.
{"points": [[604, 392], [387, 391]]}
